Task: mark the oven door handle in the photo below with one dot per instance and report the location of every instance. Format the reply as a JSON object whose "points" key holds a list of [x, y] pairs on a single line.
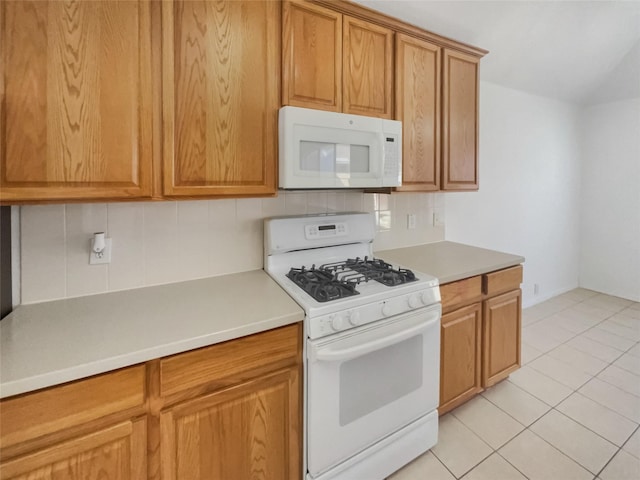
{"points": [[321, 354]]}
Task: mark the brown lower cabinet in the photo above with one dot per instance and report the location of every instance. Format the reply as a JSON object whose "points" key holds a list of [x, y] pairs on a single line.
{"points": [[480, 334], [231, 410]]}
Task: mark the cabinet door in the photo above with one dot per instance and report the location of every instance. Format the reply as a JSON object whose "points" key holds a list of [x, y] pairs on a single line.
{"points": [[221, 66], [460, 356], [367, 71], [418, 107], [114, 453], [250, 430], [75, 88], [460, 121], [312, 57], [501, 334]]}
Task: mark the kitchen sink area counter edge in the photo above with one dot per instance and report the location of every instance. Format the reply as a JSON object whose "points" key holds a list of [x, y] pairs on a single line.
{"points": [[450, 261], [50, 343]]}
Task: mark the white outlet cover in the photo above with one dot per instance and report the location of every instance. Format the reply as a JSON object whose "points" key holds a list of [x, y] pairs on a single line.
{"points": [[106, 254], [411, 221]]}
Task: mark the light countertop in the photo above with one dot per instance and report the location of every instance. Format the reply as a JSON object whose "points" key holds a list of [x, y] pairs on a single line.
{"points": [[50, 343], [54, 342], [449, 261]]}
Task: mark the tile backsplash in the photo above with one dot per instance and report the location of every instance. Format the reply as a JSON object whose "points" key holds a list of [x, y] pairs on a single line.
{"points": [[163, 242]]}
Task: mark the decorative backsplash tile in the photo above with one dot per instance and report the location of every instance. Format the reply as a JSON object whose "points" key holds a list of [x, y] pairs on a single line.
{"points": [[163, 242]]}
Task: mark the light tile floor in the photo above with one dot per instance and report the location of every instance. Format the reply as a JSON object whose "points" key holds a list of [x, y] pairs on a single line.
{"points": [[571, 412]]}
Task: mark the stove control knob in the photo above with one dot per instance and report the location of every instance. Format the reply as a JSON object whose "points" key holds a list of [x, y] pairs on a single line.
{"points": [[354, 318], [386, 310], [426, 298], [414, 301], [337, 323]]}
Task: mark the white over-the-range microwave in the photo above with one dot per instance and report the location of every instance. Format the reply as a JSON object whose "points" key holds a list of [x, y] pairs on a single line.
{"points": [[320, 149]]}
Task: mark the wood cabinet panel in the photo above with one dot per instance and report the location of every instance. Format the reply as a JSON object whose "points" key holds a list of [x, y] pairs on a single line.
{"points": [[75, 79], [460, 121], [251, 430], [312, 57], [367, 71], [418, 107], [502, 281], [117, 452], [460, 356], [461, 293], [187, 370], [221, 94], [502, 318], [33, 415]]}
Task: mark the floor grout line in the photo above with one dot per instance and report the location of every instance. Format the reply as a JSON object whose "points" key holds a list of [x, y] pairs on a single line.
{"points": [[549, 408]]}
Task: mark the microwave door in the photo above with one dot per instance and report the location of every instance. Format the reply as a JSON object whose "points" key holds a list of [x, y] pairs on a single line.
{"points": [[335, 158]]}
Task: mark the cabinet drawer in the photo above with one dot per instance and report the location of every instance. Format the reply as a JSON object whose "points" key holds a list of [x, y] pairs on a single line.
{"points": [[502, 280], [223, 360], [47, 411], [461, 293]]}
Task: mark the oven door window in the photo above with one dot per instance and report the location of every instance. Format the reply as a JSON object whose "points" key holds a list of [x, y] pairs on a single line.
{"points": [[366, 384], [379, 378]]}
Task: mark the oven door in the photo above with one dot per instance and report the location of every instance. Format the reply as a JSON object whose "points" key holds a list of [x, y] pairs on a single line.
{"points": [[365, 384]]}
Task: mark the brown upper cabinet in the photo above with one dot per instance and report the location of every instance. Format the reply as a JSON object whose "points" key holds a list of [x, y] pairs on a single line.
{"points": [[418, 107], [75, 88], [335, 62], [420, 84], [460, 121], [221, 83], [174, 99], [312, 57], [367, 68], [431, 81]]}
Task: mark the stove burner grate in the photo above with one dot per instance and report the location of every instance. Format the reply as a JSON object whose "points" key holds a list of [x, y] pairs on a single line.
{"points": [[322, 284], [381, 271], [333, 281]]}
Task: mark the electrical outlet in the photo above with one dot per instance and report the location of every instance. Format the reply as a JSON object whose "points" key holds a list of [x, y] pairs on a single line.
{"points": [[536, 289], [438, 219], [94, 259], [411, 221]]}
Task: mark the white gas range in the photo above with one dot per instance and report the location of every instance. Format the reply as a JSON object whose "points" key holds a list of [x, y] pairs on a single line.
{"points": [[372, 352]]}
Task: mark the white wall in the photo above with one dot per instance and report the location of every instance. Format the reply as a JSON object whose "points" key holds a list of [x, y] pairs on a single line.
{"points": [[610, 252], [528, 202], [163, 242]]}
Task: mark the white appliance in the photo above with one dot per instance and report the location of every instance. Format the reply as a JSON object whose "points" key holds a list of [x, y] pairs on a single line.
{"points": [[321, 149], [372, 350]]}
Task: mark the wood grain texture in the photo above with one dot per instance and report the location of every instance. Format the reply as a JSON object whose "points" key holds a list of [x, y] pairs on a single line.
{"points": [[502, 280], [36, 414], [119, 426], [460, 293], [359, 11], [460, 121], [502, 324], [248, 431], [367, 71], [460, 356], [214, 363], [221, 67], [312, 57], [418, 107], [113, 453], [76, 112]]}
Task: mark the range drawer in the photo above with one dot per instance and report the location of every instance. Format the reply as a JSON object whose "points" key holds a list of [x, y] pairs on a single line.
{"points": [[502, 281], [26, 417]]}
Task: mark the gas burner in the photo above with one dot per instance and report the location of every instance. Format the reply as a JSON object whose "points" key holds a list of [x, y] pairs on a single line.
{"points": [[321, 284], [381, 271]]}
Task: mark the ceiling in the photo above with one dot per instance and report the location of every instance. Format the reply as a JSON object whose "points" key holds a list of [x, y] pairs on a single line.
{"points": [[577, 51]]}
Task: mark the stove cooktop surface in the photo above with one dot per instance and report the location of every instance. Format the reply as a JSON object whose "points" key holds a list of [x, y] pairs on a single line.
{"points": [[333, 281]]}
